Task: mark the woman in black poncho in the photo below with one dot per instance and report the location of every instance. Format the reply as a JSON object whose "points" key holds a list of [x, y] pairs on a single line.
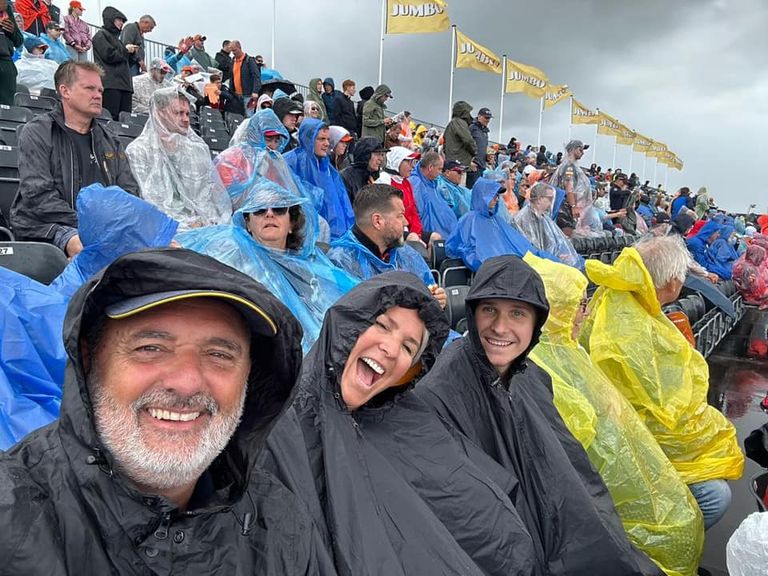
{"points": [[391, 488]]}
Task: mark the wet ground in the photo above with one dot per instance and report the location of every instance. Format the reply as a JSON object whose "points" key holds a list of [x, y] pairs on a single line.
{"points": [[737, 385]]}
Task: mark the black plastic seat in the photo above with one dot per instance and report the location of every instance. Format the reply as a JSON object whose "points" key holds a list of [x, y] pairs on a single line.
{"points": [[133, 118], [37, 260], [9, 137], [453, 272], [699, 308], [207, 131], [50, 93], [21, 89], [438, 253], [122, 129], [15, 114], [216, 144], [455, 308], [9, 179], [37, 104], [105, 116]]}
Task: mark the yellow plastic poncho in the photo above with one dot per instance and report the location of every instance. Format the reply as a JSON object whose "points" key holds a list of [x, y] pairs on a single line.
{"points": [[418, 136], [652, 364], [658, 511]]}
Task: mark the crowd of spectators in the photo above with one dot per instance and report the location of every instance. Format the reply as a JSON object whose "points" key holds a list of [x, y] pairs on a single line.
{"points": [[337, 208]]}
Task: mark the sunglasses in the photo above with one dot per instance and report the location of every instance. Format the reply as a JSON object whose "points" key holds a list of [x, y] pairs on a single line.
{"points": [[276, 211]]}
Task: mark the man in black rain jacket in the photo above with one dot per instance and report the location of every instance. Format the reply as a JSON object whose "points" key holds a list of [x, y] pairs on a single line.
{"points": [[396, 493], [67, 503], [369, 155], [512, 417]]}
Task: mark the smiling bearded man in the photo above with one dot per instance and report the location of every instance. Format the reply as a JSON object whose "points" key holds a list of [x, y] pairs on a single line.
{"points": [[178, 368]]}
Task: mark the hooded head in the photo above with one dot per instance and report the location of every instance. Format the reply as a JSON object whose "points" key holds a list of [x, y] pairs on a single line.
{"points": [[506, 278], [381, 90], [358, 311], [109, 15], [364, 148], [308, 133], [462, 110], [755, 254], [708, 231], [252, 131], [338, 133], [565, 287], [485, 197], [395, 157], [329, 81], [313, 87], [366, 93], [274, 350]]}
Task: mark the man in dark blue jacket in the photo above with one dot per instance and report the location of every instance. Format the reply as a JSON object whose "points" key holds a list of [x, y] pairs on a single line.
{"points": [[331, 99]]}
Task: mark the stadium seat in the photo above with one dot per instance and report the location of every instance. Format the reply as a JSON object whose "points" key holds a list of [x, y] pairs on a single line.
{"points": [[105, 116], [438, 253], [132, 118], [9, 179], [38, 260], [216, 144], [15, 114], [50, 93], [8, 137], [454, 273], [233, 121], [37, 104], [213, 132], [121, 129], [455, 309], [21, 89]]}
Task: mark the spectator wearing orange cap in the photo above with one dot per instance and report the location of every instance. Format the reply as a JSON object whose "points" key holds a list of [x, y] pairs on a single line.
{"points": [[77, 36]]}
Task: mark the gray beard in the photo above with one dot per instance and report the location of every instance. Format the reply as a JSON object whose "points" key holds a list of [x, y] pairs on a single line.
{"points": [[179, 463]]}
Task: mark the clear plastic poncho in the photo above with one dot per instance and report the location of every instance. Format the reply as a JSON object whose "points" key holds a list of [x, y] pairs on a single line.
{"points": [[349, 254], [589, 223], [544, 233], [750, 275], [32, 357], [657, 509], [335, 207], [304, 279], [173, 167], [652, 364], [747, 549], [435, 213], [35, 72], [482, 233]]}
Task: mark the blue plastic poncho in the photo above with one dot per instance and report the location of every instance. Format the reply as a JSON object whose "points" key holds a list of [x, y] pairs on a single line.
{"points": [[248, 159], [435, 213], [457, 197], [482, 233], [32, 357], [57, 51], [111, 223], [723, 252], [349, 253], [302, 279], [268, 74], [336, 207], [704, 254]]}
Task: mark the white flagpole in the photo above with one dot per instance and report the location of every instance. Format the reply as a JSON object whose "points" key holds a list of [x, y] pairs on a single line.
{"points": [[383, 33], [666, 177], [630, 158], [615, 147], [655, 165], [541, 117], [594, 144], [503, 85], [570, 118], [274, 20], [644, 159], [453, 68]]}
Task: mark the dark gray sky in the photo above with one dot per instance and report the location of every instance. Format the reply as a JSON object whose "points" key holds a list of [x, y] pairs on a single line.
{"points": [[690, 73]]}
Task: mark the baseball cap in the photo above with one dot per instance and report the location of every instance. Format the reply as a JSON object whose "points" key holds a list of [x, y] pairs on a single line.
{"points": [[454, 165], [258, 320], [346, 138], [573, 144], [268, 133], [528, 169], [188, 69], [160, 64], [75, 4], [485, 112], [199, 37], [53, 26]]}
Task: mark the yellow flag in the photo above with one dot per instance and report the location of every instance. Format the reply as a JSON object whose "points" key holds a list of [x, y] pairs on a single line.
{"points": [[556, 94], [642, 143], [583, 115], [677, 164], [625, 136], [608, 125], [470, 54], [657, 150], [527, 79], [417, 17]]}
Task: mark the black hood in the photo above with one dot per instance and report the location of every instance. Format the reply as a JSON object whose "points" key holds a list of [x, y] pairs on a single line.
{"points": [[366, 93], [109, 15], [282, 106], [275, 361], [508, 278], [363, 150], [359, 308]]}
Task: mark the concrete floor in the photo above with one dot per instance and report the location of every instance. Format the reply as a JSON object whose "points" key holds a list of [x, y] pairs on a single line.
{"points": [[737, 385]]}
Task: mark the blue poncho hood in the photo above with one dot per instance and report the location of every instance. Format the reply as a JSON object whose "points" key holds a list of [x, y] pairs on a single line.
{"points": [[482, 233], [335, 207], [707, 254], [435, 213], [457, 197], [252, 130]]}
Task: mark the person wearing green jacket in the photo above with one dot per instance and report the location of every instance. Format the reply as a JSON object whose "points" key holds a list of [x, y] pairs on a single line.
{"points": [[316, 95], [374, 123], [10, 39], [459, 144]]}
